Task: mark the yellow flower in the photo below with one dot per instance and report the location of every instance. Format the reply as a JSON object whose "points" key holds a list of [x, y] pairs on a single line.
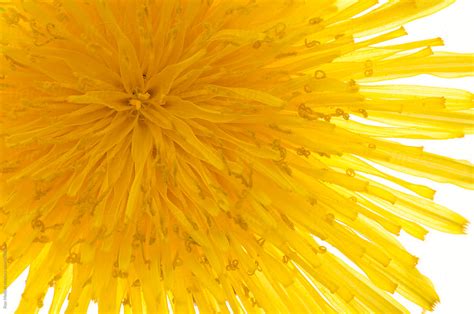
{"points": [[173, 154]]}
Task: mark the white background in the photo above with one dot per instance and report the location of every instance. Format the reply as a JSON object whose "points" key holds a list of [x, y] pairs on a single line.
{"points": [[447, 259]]}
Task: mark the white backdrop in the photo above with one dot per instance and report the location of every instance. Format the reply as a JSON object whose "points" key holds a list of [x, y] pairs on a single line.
{"points": [[447, 259]]}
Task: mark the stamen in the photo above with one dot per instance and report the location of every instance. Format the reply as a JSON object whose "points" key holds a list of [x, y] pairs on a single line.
{"points": [[319, 74], [315, 20]]}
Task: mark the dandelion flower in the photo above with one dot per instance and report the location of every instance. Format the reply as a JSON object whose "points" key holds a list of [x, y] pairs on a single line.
{"points": [[167, 155]]}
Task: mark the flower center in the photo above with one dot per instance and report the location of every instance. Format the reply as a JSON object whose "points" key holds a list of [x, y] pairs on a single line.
{"points": [[138, 99]]}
